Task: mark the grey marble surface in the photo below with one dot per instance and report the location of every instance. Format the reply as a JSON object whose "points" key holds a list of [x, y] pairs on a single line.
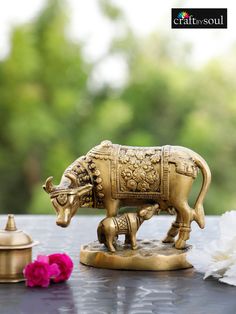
{"points": [[92, 290]]}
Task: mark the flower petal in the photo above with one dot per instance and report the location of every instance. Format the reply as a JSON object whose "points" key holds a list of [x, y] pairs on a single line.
{"points": [[54, 270], [43, 259], [227, 225], [229, 280], [65, 265], [199, 259], [218, 258]]}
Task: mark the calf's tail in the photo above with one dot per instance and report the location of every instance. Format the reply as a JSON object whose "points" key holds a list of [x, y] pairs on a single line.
{"points": [[100, 233]]}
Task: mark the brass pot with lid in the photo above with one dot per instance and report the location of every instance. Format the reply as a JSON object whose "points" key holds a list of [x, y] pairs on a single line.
{"points": [[15, 252]]}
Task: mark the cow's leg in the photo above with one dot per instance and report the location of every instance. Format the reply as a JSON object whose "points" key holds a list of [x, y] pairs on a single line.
{"points": [[186, 214], [180, 187], [112, 207], [173, 231]]}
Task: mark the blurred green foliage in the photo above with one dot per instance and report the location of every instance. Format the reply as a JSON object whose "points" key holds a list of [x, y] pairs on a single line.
{"points": [[51, 113]]}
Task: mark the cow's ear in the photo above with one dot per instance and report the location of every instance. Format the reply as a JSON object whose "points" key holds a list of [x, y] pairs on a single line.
{"points": [[85, 189], [72, 178], [143, 212]]}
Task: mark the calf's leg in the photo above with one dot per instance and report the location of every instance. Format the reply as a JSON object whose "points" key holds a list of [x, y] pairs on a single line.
{"points": [[109, 243]]}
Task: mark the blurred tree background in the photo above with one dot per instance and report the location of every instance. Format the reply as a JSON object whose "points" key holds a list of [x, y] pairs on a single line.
{"points": [[52, 111]]}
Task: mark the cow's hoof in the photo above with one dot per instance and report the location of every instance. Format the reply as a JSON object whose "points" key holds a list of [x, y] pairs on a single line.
{"points": [[134, 247], [180, 244], [168, 240], [111, 248]]}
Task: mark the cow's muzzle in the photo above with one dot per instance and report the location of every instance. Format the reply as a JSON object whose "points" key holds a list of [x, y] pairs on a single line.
{"points": [[63, 218]]}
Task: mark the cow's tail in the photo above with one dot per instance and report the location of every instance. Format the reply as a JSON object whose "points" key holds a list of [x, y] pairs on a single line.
{"points": [[199, 216]]}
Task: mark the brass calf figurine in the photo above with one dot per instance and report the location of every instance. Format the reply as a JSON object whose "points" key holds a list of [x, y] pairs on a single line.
{"points": [[109, 228]]}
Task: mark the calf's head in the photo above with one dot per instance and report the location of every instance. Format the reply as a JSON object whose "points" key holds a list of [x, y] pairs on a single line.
{"points": [[148, 211], [66, 197]]}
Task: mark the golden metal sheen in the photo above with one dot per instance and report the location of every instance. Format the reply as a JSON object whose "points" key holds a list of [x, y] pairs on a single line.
{"points": [[128, 224], [150, 255], [15, 252], [112, 176]]}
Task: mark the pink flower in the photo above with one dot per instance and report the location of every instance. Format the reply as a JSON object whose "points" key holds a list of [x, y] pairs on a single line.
{"points": [[39, 273], [57, 267], [65, 265]]}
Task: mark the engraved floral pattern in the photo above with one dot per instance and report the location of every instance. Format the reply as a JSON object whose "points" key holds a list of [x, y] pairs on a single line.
{"points": [[143, 186], [152, 176], [139, 174], [126, 174], [132, 185], [124, 159], [138, 170], [155, 158]]}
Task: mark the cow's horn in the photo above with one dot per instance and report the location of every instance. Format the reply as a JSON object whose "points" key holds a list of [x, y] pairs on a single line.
{"points": [[72, 178], [48, 186]]}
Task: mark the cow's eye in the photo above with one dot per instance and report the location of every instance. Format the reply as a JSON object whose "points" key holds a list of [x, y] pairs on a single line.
{"points": [[62, 199]]}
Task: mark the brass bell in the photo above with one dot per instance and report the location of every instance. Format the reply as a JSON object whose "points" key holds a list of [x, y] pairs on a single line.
{"points": [[15, 252]]}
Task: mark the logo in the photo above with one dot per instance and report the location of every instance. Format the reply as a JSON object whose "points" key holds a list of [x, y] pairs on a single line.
{"points": [[183, 15], [199, 18]]}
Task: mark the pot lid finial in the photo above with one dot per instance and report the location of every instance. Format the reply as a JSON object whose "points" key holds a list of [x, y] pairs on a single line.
{"points": [[11, 225]]}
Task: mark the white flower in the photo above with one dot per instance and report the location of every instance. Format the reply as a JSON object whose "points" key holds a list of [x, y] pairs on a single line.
{"points": [[218, 258]]}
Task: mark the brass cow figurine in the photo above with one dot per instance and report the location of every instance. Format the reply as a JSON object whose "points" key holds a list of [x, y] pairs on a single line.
{"points": [[112, 176], [109, 228]]}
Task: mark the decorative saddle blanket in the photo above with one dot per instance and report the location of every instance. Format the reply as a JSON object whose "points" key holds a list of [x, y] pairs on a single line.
{"points": [[139, 172], [143, 172]]}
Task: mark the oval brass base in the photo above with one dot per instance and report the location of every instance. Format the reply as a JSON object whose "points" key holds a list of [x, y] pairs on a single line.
{"points": [[150, 255]]}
